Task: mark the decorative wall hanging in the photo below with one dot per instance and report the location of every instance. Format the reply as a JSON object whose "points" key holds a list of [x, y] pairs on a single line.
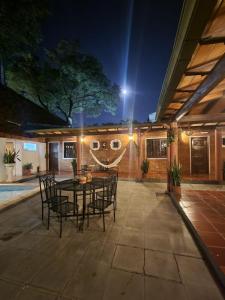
{"points": [[115, 144], [95, 145], [113, 164]]}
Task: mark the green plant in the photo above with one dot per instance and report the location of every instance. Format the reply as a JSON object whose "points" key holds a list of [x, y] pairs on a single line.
{"points": [[74, 166], [28, 166], [145, 166], [10, 157], [176, 173], [170, 137]]}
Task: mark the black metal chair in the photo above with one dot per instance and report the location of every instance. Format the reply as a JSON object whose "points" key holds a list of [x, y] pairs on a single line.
{"points": [[103, 197], [58, 205]]}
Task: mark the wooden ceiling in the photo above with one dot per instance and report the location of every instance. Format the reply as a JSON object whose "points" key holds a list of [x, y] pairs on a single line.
{"points": [[196, 84]]}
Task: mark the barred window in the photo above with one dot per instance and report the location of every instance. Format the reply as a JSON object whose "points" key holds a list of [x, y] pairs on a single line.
{"points": [[69, 150], [156, 148]]}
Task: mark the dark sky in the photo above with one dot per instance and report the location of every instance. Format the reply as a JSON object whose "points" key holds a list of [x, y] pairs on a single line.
{"points": [[132, 39]]}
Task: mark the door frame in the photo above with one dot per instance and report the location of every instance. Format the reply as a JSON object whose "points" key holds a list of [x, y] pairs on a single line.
{"points": [[54, 142], [208, 146]]}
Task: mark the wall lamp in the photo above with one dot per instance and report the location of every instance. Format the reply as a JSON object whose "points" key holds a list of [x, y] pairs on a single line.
{"points": [[131, 137]]}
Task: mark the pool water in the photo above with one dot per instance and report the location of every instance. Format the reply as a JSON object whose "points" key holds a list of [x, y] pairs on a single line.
{"points": [[8, 191]]}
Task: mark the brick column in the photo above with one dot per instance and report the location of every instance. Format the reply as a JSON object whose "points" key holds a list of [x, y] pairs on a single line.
{"points": [[172, 150], [47, 157], [218, 156], [140, 154]]}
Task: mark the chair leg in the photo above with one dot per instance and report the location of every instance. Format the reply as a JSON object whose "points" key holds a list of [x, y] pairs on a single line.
{"points": [[88, 216], [42, 211], [103, 219], [114, 211], [60, 233], [48, 218]]}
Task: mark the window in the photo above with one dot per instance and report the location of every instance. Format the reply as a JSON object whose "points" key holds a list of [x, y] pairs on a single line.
{"points": [[115, 144], [223, 141], [69, 150], [95, 145], [30, 147], [156, 148]]}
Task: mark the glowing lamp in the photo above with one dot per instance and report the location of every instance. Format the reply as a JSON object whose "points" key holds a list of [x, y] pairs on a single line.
{"points": [[81, 139], [131, 137]]}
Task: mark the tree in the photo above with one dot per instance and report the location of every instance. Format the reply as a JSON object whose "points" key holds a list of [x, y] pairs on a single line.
{"points": [[19, 29], [67, 81]]}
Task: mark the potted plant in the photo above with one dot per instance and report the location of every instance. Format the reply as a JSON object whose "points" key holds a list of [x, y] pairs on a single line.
{"points": [[27, 169], [9, 160], [176, 176], [144, 167], [170, 137], [74, 167]]}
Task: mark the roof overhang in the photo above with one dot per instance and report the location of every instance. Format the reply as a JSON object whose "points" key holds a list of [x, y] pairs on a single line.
{"points": [[195, 76], [98, 130]]}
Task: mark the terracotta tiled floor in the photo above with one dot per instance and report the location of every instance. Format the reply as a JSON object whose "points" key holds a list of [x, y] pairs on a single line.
{"points": [[206, 211]]}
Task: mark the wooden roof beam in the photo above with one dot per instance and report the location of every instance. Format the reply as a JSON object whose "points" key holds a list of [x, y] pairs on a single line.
{"points": [[212, 40], [211, 81], [185, 91], [195, 73], [218, 117]]}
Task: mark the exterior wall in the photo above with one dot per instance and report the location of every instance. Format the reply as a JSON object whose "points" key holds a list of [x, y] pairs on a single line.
{"points": [[37, 158], [129, 166]]}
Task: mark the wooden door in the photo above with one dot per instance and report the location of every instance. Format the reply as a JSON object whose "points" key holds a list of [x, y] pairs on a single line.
{"points": [[199, 155], [53, 157]]}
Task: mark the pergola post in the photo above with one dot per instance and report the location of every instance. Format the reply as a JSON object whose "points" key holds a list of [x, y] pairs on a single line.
{"points": [[172, 150], [218, 156]]}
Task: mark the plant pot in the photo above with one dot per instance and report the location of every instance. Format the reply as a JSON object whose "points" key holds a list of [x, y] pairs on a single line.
{"points": [[9, 172], [177, 191], [26, 172]]}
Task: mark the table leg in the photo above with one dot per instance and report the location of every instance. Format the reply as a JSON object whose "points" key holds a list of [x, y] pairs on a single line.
{"points": [[81, 227]]}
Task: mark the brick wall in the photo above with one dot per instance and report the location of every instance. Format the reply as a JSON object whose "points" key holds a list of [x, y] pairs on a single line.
{"points": [[128, 167]]}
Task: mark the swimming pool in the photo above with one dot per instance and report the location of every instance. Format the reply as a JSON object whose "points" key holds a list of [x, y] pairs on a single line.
{"points": [[10, 193]]}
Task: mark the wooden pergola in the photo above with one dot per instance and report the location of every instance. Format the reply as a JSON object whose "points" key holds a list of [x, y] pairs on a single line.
{"points": [[193, 92], [194, 86]]}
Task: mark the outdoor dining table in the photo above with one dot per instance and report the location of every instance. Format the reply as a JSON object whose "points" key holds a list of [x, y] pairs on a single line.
{"points": [[73, 185]]}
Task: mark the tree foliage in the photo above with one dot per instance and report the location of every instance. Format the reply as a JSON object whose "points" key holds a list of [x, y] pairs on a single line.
{"points": [[20, 23], [66, 81]]}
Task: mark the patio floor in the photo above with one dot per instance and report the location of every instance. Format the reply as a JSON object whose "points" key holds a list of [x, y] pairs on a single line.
{"points": [[206, 211], [147, 254]]}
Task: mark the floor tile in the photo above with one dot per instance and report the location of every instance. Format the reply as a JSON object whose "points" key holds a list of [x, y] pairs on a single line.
{"points": [[124, 286], [160, 289], [8, 291], [161, 264], [212, 239], [29, 293], [195, 292], [129, 259], [194, 271]]}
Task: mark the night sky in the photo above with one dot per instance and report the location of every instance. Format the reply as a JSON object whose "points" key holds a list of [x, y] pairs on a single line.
{"points": [[132, 39]]}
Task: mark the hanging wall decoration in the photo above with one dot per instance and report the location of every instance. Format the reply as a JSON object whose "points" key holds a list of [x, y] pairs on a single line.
{"points": [[115, 144], [95, 145]]}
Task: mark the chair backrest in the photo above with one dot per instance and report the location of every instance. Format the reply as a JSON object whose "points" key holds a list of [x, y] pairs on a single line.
{"points": [[47, 186], [110, 187]]}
